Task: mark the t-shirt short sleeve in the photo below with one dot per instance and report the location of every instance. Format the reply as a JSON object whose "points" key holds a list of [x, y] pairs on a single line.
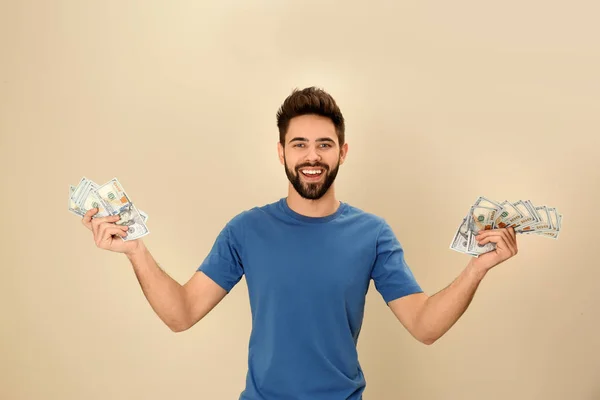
{"points": [[223, 264], [391, 275]]}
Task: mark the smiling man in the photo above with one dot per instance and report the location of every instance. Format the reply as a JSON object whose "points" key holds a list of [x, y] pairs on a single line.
{"points": [[311, 161], [308, 259], [314, 160]]}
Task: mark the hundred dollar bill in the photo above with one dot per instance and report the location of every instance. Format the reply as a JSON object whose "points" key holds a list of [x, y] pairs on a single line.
{"points": [[144, 216], [84, 199], [116, 201], [73, 207], [533, 208], [555, 233], [131, 217], [77, 188], [553, 218], [529, 215], [497, 207], [510, 216], [555, 224], [544, 224], [93, 201], [461, 237], [80, 189], [480, 218], [87, 198], [113, 196], [525, 217]]}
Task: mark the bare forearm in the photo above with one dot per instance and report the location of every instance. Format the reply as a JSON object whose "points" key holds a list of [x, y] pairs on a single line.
{"points": [[165, 295], [441, 311]]}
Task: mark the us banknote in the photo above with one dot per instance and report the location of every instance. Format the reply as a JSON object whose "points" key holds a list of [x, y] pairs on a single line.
{"points": [[110, 199], [480, 218], [522, 215]]}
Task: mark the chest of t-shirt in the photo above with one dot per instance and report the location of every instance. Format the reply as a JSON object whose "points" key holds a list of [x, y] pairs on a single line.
{"points": [[308, 265]]}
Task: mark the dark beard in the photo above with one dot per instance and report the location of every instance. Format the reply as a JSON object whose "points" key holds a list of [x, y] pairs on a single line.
{"points": [[311, 191]]}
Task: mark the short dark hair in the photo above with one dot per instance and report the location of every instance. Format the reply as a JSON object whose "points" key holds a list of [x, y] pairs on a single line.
{"points": [[310, 100]]}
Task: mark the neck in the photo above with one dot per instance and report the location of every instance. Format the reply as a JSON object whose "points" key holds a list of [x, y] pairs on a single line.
{"points": [[326, 205]]}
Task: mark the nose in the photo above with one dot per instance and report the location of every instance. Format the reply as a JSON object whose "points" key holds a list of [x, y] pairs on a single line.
{"points": [[312, 154]]}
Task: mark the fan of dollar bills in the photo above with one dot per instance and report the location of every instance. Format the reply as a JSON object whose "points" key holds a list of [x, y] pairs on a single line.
{"points": [[111, 199], [524, 216]]}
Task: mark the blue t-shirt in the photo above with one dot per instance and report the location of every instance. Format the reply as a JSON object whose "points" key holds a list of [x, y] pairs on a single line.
{"points": [[307, 278]]}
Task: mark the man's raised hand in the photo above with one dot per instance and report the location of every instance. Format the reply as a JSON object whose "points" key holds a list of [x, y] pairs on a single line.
{"points": [[107, 234]]}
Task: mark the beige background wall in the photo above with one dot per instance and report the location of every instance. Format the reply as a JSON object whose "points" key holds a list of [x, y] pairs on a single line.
{"points": [[444, 102]]}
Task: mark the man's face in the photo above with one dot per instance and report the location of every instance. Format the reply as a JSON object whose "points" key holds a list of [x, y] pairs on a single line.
{"points": [[311, 155]]}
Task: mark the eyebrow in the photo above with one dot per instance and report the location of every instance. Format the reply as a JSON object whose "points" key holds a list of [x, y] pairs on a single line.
{"points": [[303, 139]]}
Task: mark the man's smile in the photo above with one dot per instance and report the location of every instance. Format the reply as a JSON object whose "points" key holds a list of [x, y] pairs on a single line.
{"points": [[312, 173]]}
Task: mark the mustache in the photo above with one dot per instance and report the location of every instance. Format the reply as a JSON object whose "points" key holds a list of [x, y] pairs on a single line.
{"points": [[325, 167]]}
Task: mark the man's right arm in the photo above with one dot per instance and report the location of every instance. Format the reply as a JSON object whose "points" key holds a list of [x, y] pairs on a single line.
{"points": [[179, 306]]}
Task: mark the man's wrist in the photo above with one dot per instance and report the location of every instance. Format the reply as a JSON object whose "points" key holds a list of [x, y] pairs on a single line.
{"points": [[139, 250], [475, 270]]}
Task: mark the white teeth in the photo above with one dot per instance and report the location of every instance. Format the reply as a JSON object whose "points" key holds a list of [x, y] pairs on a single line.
{"points": [[311, 172]]}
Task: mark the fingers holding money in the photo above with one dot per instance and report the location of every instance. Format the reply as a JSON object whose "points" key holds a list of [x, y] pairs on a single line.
{"points": [[97, 222], [504, 238], [87, 218], [106, 232], [100, 204], [89, 221], [512, 235]]}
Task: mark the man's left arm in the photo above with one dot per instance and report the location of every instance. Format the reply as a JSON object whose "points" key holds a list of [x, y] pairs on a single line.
{"points": [[428, 318]]}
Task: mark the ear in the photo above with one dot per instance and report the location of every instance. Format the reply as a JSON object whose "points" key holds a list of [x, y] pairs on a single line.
{"points": [[280, 153], [343, 153]]}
